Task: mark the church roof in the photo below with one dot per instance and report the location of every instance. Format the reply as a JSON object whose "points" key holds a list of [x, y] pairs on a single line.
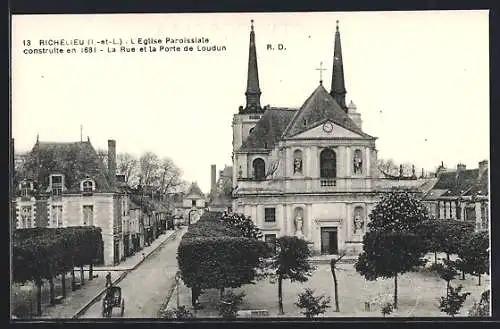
{"points": [[75, 160], [319, 107], [194, 189], [268, 130]]}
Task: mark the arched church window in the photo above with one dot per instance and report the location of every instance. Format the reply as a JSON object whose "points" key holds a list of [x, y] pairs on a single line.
{"points": [[297, 162], [328, 164], [259, 168], [358, 162]]}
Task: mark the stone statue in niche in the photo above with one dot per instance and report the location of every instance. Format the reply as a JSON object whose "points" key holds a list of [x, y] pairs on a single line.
{"points": [[357, 163], [297, 165], [240, 173], [299, 221], [358, 221]]}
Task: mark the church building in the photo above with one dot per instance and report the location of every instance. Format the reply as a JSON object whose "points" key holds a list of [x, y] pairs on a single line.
{"points": [[309, 171]]}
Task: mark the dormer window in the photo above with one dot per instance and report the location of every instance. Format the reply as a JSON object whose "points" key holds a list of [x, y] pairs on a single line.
{"points": [[56, 184], [87, 186]]}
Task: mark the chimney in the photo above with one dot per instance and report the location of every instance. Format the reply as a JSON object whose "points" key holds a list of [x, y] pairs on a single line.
{"points": [[213, 178], [483, 166], [112, 161], [461, 167]]}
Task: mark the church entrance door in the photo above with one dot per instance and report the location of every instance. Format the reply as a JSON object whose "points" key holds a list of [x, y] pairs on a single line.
{"points": [[329, 242]]}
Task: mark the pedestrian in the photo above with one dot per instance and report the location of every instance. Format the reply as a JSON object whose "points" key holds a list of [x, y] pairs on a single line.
{"points": [[143, 256], [108, 279]]}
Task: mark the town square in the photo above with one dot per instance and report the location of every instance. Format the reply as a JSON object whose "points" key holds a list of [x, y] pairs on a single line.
{"points": [[303, 165]]}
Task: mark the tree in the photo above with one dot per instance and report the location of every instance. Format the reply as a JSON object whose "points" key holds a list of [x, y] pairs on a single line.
{"points": [[452, 303], [229, 304], [149, 165], [127, 165], [483, 307], [214, 254], [291, 261], [312, 305], [387, 254], [333, 264], [474, 255], [169, 176], [446, 272], [243, 224], [388, 166], [386, 309], [398, 211], [392, 245]]}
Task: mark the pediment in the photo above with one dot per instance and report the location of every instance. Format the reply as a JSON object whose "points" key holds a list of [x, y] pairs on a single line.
{"points": [[327, 129]]}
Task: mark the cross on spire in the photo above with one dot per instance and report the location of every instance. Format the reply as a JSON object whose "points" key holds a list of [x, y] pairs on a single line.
{"points": [[320, 69]]}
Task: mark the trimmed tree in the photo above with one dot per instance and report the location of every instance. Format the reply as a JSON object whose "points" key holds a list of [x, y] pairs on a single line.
{"points": [[214, 254], [389, 254], [291, 261], [393, 244], [452, 303], [474, 255]]}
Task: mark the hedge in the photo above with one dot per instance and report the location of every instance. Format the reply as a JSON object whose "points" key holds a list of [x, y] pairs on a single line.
{"points": [[214, 254]]}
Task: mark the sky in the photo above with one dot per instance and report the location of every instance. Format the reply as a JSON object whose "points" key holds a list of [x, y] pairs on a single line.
{"points": [[419, 79]]}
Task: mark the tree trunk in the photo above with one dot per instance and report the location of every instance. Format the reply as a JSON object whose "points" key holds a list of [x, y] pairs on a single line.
{"points": [[221, 293], [39, 298], [463, 275], [479, 276], [448, 256], [396, 291], [447, 288], [337, 308], [51, 291], [82, 276], [63, 284], [435, 257], [280, 296], [73, 279], [91, 271]]}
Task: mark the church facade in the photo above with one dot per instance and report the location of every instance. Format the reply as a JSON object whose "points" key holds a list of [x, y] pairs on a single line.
{"points": [[308, 171]]}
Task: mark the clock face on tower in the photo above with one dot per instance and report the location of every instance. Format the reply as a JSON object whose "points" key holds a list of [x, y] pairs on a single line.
{"points": [[328, 127]]}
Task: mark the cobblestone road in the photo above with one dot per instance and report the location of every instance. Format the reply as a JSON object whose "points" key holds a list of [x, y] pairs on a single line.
{"points": [[145, 288]]}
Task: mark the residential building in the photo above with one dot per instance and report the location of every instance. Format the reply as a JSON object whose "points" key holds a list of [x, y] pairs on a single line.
{"points": [[66, 184], [462, 195]]}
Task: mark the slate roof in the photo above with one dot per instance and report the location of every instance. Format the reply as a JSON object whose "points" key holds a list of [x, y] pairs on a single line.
{"points": [[320, 107], [75, 160], [268, 131], [194, 189], [481, 187], [418, 185], [457, 183]]}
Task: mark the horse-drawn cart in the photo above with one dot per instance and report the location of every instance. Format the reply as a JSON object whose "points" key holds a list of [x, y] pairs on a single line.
{"points": [[112, 298]]}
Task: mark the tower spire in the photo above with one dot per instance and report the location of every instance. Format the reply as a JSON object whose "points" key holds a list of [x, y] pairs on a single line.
{"points": [[338, 90], [253, 90]]}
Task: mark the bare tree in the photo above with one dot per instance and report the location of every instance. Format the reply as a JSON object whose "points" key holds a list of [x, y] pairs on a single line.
{"points": [[127, 164], [149, 166], [169, 176], [388, 166], [333, 263]]}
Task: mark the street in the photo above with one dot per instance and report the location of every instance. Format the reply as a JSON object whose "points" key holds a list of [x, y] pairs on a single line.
{"points": [[145, 288]]}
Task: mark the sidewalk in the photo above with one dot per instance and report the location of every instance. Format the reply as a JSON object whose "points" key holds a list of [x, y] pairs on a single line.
{"points": [[78, 300], [133, 261]]}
